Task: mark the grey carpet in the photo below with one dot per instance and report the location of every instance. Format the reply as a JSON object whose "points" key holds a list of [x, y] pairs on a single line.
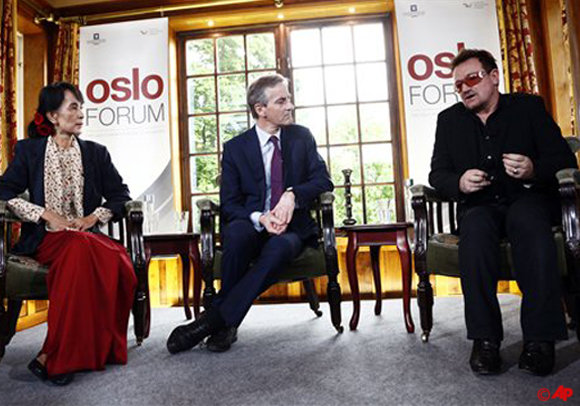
{"points": [[285, 356]]}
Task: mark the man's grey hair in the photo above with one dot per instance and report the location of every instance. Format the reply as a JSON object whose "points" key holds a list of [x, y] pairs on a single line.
{"points": [[257, 90]]}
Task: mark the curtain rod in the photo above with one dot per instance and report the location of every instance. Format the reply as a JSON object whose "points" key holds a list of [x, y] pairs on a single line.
{"points": [[157, 10]]}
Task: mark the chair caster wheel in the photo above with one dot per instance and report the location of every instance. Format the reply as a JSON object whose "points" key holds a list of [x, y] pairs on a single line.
{"points": [[425, 336], [318, 313]]}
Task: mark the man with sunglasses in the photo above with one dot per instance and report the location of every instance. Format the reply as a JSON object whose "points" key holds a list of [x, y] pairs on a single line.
{"points": [[497, 156]]}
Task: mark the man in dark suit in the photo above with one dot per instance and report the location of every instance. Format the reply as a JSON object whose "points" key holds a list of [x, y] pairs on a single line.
{"points": [[270, 174], [497, 155]]}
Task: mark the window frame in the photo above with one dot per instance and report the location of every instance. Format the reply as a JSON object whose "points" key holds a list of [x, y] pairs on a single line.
{"points": [[283, 66]]}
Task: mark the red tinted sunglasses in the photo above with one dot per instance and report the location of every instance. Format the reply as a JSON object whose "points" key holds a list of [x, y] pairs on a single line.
{"points": [[470, 80]]}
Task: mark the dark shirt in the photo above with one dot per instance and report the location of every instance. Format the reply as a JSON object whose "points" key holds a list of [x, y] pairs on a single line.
{"points": [[520, 125]]}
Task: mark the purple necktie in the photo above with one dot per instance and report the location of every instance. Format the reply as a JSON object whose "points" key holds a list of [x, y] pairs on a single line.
{"points": [[276, 181]]}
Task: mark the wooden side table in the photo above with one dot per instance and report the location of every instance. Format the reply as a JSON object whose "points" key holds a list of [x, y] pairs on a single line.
{"points": [[186, 246], [376, 236]]}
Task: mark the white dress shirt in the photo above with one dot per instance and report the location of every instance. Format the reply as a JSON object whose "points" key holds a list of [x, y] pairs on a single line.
{"points": [[267, 148]]}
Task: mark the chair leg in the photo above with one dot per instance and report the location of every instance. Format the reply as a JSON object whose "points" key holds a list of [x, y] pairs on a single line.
{"points": [[196, 289], [334, 299], [312, 296], [425, 301], [8, 321]]}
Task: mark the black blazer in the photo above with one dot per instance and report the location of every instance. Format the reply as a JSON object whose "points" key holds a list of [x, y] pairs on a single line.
{"points": [[26, 172], [243, 179], [524, 127]]}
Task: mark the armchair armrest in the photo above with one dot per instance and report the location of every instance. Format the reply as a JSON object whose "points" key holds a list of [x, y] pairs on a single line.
{"points": [[426, 201], [6, 218], [208, 211], [428, 193], [568, 175], [6, 214], [569, 188], [136, 249], [326, 200]]}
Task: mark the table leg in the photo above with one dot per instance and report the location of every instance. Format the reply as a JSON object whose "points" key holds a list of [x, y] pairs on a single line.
{"points": [[375, 262], [351, 251], [185, 273], [196, 261], [405, 257]]}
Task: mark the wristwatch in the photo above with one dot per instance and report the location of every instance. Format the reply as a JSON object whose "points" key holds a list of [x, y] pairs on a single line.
{"points": [[290, 189]]}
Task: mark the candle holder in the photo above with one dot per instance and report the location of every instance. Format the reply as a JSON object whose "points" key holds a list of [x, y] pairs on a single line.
{"points": [[348, 221]]}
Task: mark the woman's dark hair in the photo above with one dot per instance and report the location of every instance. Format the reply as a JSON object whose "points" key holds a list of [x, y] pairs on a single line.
{"points": [[50, 99]]}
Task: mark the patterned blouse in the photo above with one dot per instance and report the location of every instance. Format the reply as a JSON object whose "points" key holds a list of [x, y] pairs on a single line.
{"points": [[63, 187]]}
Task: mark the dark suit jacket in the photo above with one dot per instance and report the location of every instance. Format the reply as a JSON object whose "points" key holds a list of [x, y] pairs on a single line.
{"points": [[243, 180], [524, 127], [26, 172]]}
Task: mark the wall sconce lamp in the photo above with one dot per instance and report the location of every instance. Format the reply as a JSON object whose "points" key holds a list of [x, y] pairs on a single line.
{"points": [[49, 19], [279, 3]]}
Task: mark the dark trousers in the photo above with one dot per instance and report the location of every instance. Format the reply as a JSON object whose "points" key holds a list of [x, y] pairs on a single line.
{"points": [[527, 226], [241, 284]]}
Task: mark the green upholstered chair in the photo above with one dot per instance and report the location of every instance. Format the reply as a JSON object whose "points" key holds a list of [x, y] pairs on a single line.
{"points": [[436, 243], [22, 278], [312, 263]]}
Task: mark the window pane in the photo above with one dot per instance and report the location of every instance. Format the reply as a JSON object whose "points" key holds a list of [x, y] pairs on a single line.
{"points": [[380, 204], [199, 56], [314, 119], [232, 125], [261, 51], [202, 134], [323, 152], [195, 211], [201, 95], [232, 92], [344, 158], [369, 42], [252, 76], [308, 88], [372, 82], [231, 54], [339, 82], [340, 206], [305, 46], [378, 163], [342, 124], [375, 122], [337, 44], [204, 171]]}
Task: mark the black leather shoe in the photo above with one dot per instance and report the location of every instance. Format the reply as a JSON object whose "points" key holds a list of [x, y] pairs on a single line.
{"points": [[62, 379], [38, 369], [222, 340], [485, 359], [537, 357], [186, 337]]}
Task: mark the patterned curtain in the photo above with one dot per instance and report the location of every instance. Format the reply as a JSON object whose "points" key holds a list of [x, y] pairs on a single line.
{"points": [[517, 46], [8, 112], [566, 32], [66, 65]]}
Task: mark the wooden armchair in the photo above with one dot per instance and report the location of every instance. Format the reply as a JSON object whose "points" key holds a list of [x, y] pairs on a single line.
{"points": [[312, 263], [22, 278], [436, 246]]}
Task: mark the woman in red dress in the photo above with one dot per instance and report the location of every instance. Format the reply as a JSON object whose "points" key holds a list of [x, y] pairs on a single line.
{"points": [[74, 188]]}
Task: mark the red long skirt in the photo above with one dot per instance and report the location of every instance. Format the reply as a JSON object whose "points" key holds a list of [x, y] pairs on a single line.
{"points": [[91, 287]]}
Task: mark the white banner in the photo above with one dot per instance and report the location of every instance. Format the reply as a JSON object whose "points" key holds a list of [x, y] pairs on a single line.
{"points": [[431, 32], [124, 79]]}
